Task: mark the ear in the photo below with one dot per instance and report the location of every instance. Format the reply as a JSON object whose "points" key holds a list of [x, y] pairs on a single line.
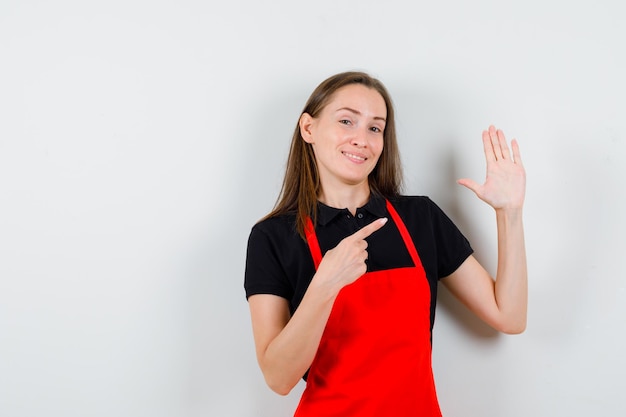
{"points": [[306, 125]]}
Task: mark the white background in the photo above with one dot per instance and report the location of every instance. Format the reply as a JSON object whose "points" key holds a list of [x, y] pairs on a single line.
{"points": [[140, 141]]}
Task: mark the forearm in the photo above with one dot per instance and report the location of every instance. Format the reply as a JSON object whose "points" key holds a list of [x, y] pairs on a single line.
{"points": [[290, 354], [511, 286]]}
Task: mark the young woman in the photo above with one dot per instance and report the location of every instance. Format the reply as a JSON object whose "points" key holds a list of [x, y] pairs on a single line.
{"points": [[341, 277]]}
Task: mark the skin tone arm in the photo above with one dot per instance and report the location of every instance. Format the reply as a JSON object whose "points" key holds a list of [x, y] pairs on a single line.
{"points": [[286, 346], [501, 303]]}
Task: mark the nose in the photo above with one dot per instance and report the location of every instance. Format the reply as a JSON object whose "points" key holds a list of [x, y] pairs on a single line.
{"points": [[360, 138]]}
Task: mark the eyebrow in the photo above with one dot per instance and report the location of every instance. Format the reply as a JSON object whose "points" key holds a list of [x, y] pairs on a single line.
{"points": [[359, 113]]}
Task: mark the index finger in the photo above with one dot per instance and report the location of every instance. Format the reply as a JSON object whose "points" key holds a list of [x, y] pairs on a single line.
{"points": [[370, 228]]}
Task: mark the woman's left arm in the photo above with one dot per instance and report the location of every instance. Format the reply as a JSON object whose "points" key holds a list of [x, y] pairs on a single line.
{"points": [[501, 303]]}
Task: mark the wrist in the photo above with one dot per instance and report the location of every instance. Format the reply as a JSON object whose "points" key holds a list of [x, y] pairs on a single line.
{"points": [[511, 212], [324, 290], [509, 217]]}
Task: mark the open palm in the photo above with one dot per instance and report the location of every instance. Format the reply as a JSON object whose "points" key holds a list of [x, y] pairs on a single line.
{"points": [[505, 184]]}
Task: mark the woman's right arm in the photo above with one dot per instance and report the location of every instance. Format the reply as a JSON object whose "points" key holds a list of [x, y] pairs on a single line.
{"points": [[286, 346]]}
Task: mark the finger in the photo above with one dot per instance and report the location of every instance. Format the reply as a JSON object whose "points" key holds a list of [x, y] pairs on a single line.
{"points": [[504, 147], [495, 143], [370, 228], [488, 147], [470, 184], [517, 157]]}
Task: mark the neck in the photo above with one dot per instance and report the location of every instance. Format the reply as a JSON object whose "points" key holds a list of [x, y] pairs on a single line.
{"points": [[350, 197]]}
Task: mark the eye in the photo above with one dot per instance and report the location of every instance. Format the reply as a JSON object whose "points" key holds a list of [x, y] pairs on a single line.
{"points": [[375, 129], [345, 122]]}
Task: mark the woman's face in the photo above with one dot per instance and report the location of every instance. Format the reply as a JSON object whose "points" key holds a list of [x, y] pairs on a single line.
{"points": [[347, 136]]}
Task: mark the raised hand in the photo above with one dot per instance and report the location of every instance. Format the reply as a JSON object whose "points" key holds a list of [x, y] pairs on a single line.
{"points": [[505, 185], [345, 263]]}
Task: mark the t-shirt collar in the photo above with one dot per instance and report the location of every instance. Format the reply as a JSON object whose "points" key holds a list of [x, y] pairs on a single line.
{"points": [[376, 206]]}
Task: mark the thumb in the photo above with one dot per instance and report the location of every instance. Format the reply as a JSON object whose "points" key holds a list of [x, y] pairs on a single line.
{"points": [[468, 183]]}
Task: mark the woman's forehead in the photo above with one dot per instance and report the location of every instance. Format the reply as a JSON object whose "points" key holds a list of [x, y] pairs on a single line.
{"points": [[359, 98]]}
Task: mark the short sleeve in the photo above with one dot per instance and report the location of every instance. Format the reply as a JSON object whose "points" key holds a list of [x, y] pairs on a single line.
{"points": [[452, 246], [264, 273]]}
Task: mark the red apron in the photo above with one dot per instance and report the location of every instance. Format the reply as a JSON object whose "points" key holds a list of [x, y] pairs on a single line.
{"points": [[374, 358]]}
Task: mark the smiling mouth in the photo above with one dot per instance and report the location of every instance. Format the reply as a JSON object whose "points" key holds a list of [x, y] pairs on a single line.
{"points": [[353, 156]]}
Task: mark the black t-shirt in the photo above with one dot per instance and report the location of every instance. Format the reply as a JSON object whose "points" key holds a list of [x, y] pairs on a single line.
{"points": [[279, 261]]}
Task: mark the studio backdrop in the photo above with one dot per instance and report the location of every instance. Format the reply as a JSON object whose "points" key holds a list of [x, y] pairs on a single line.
{"points": [[140, 141]]}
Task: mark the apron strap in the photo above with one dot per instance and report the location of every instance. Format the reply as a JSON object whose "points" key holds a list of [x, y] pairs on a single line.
{"points": [[408, 242], [316, 252], [314, 245]]}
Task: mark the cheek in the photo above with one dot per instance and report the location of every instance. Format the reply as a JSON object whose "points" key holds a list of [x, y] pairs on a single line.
{"points": [[378, 146]]}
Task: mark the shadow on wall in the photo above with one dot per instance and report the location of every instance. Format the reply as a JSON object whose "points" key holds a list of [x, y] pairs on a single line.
{"points": [[429, 144], [451, 204]]}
